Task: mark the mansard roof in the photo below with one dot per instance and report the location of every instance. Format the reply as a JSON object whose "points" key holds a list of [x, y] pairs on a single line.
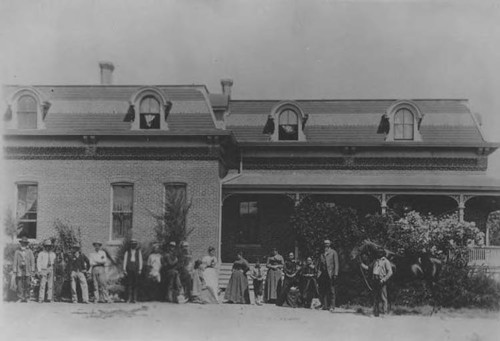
{"points": [[100, 109], [445, 121]]}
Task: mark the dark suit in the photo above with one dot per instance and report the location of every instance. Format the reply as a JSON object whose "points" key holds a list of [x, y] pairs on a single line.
{"points": [[328, 272]]}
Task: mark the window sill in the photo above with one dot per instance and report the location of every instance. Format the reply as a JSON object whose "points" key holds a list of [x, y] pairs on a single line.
{"points": [[249, 246], [115, 242]]}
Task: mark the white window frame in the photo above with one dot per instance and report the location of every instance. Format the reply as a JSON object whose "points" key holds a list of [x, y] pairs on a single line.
{"points": [[17, 215], [121, 183]]}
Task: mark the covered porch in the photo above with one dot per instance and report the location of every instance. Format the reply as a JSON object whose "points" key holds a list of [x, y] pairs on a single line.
{"points": [[256, 205]]}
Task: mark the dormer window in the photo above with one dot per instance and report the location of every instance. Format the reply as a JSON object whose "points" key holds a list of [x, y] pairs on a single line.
{"points": [[288, 126], [401, 122], [27, 112], [149, 113], [404, 122], [286, 122]]}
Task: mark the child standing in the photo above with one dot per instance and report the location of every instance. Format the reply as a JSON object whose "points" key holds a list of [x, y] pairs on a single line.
{"points": [[258, 280]]}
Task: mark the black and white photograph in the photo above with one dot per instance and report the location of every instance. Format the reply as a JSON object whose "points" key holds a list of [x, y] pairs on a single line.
{"points": [[250, 170]]}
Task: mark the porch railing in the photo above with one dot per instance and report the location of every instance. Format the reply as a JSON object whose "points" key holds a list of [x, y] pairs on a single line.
{"points": [[488, 256]]}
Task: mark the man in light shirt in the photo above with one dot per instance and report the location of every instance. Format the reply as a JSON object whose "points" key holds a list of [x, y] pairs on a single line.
{"points": [[45, 268], [98, 260], [381, 272]]}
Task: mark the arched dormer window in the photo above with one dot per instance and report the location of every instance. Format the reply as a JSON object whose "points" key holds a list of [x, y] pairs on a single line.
{"points": [[404, 122], [26, 109], [286, 122], [288, 126], [149, 113], [27, 112], [149, 109]]}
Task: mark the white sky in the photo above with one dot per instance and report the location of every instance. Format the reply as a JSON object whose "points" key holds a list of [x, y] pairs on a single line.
{"points": [[272, 49]]}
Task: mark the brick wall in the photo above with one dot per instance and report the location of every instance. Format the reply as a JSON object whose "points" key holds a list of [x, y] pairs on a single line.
{"points": [[79, 193]]}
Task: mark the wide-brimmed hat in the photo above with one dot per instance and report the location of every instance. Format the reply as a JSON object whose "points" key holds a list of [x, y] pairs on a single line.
{"points": [[184, 244], [172, 244], [75, 246], [98, 243], [133, 241], [47, 243], [327, 242], [24, 240]]}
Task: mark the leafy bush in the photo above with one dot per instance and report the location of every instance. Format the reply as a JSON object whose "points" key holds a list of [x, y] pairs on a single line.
{"points": [[414, 234], [410, 235]]}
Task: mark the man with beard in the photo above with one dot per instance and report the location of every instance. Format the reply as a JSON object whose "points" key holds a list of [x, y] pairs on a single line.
{"points": [[328, 272]]}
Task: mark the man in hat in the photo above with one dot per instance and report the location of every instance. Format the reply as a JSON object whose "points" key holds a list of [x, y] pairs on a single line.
{"points": [[186, 267], [154, 268], [23, 268], [132, 268], [327, 275], [382, 271], [98, 260], [172, 280], [78, 265], [45, 267]]}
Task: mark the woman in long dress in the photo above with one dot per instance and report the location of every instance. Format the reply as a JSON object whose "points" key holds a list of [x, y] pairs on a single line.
{"points": [[200, 292], [211, 273], [237, 288], [273, 278], [309, 283]]}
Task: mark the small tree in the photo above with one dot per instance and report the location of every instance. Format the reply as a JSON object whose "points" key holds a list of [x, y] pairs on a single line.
{"points": [[171, 224], [11, 225]]}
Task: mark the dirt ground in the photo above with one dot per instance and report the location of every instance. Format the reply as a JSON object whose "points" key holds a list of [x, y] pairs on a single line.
{"points": [[164, 321]]}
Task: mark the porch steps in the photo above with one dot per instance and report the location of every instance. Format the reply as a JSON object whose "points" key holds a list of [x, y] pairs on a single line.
{"points": [[225, 273]]}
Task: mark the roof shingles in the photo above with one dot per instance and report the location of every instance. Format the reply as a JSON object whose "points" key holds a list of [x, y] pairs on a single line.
{"points": [[330, 121]]}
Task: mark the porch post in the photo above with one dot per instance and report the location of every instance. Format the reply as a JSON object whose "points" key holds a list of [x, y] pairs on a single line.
{"points": [[461, 207], [383, 204]]}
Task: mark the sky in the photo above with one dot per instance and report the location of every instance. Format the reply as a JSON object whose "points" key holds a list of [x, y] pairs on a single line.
{"points": [[294, 49]]}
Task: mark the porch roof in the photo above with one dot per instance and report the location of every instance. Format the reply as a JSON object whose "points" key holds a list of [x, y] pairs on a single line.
{"points": [[361, 181]]}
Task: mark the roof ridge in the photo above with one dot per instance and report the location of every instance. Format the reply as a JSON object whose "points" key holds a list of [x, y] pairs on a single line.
{"points": [[109, 86], [349, 100]]}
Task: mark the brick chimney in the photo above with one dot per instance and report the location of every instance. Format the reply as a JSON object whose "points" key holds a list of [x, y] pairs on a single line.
{"points": [[106, 72], [226, 86]]}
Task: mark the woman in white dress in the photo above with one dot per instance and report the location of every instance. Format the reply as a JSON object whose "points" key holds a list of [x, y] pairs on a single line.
{"points": [[211, 272]]}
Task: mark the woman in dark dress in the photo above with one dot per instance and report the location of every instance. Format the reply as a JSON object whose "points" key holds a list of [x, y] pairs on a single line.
{"points": [[237, 288], [308, 283], [290, 294], [273, 278]]}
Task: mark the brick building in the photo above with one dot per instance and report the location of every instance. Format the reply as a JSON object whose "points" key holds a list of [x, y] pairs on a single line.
{"points": [[102, 157]]}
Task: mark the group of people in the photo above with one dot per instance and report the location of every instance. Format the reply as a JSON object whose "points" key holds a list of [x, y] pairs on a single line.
{"points": [[287, 282], [172, 274], [175, 276], [290, 283], [78, 266]]}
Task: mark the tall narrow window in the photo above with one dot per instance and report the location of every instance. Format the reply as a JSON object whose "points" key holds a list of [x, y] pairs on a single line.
{"points": [[150, 113], [27, 203], [249, 223], [288, 126], [26, 113], [123, 198], [403, 125], [176, 204]]}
